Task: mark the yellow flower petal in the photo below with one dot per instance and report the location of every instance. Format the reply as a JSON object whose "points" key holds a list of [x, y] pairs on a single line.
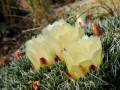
{"points": [[85, 65], [33, 59], [79, 71], [68, 59], [97, 57]]}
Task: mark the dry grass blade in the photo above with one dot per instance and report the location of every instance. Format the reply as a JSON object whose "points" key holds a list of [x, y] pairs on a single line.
{"points": [[33, 29], [39, 10]]}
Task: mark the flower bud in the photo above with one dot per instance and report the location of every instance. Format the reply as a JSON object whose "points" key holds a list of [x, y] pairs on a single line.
{"points": [[96, 29]]}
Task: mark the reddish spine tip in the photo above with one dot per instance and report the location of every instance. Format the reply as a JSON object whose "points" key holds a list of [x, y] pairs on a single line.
{"points": [[92, 67], [43, 61]]}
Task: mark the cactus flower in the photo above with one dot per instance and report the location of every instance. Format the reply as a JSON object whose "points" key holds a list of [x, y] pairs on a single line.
{"points": [[39, 53], [60, 35], [83, 56], [61, 30]]}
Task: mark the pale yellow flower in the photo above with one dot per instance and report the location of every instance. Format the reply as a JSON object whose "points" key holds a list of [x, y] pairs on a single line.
{"points": [[83, 56], [39, 52], [61, 29], [47, 47], [61, 34]]}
